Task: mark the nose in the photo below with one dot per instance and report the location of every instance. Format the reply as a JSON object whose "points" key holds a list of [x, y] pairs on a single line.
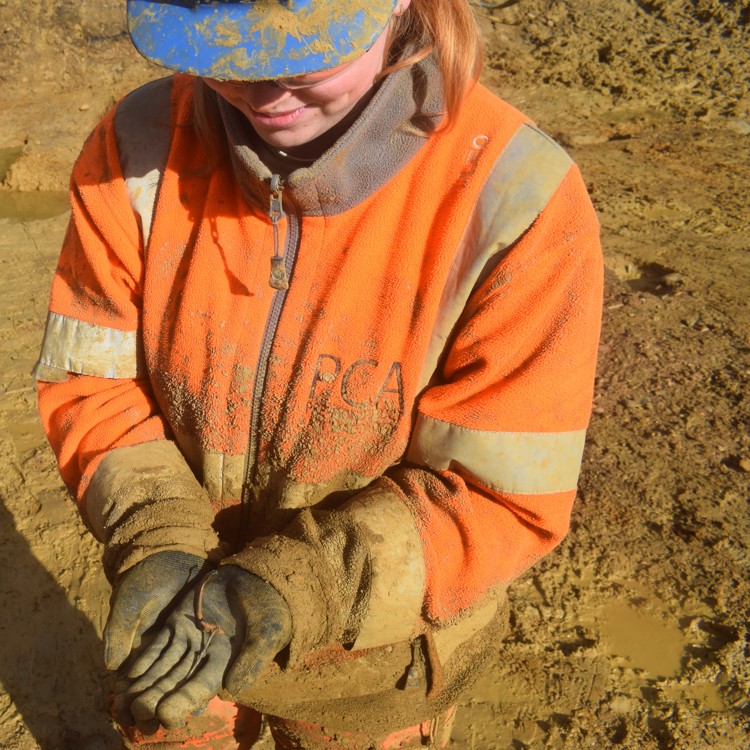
{"points": [[263, 95]]}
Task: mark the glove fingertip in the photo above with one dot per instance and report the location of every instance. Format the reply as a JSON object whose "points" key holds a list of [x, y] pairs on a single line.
{"points": [[234, 681], [113, 657], [117, 647], [117, 642], [148, 727], [241, 675], [233, 688]]}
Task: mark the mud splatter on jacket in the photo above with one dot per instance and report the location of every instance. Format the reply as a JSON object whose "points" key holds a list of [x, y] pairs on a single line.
{"points": [[423, 385]]}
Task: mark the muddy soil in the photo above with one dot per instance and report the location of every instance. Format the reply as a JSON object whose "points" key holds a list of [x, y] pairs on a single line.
{"points": [[634, 633]]}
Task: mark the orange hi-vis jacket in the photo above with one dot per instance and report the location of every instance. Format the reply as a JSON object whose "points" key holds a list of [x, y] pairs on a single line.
{"points": [[423, 384]]}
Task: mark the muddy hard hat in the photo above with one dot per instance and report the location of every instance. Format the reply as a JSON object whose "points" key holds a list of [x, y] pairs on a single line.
{"points": [[255, 39]]}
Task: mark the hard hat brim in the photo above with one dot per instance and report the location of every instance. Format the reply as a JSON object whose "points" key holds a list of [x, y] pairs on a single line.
{"points": [[252, 41]]}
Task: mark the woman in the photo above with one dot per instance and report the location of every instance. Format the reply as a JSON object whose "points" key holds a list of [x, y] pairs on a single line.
{"points": [[318, 369]]}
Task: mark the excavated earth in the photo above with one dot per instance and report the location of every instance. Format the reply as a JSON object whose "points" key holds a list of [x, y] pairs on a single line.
{"points": [[634, 632]]}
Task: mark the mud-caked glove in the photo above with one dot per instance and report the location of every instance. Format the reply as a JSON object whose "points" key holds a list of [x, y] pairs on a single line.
{"points": [[143, 597], [222, 634]]}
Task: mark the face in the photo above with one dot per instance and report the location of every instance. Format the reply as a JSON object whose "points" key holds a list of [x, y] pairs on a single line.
{"points": [[292, 112]]}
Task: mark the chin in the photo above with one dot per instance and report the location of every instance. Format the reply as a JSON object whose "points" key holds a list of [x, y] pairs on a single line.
{"points": [[287, 140]]}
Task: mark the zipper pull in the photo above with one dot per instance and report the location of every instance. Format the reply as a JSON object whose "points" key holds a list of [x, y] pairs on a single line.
{"points": [[278, 278]]}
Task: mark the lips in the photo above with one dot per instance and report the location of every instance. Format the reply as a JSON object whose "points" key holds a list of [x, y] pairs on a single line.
{"points": [[277, 119]]}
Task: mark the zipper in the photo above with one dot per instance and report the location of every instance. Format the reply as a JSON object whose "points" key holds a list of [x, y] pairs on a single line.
{"points": [[282, 262], [279, 279]]}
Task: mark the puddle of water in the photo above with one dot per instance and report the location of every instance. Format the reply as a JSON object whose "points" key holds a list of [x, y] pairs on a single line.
{"points": [[706, 694], [32, 206], [646, 642]]}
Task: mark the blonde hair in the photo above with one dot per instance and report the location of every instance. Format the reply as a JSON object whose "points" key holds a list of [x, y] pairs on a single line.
{"points": [[447, 29]]}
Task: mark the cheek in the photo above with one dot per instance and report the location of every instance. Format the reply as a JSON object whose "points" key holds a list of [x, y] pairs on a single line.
{"points": [[229, 96], [335, 97], [236, 95]]}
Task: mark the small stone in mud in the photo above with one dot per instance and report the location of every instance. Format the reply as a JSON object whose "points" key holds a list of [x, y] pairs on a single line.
{"points": [[739, 126], [673, 279], [744, 464]]}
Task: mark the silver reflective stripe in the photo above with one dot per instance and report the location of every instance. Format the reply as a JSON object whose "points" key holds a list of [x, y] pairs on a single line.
{"points": [[223, 475], [142, 194], [144, 134], [524, 178], [522, 463], [70, 345], [143, 129]]}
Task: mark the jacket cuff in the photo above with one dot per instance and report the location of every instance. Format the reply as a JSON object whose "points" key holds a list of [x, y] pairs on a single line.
{"points": [[397, 569], [354, 575], [145, 499]]}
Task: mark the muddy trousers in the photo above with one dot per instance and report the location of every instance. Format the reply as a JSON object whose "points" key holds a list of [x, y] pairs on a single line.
{"points": [[226, 726]]}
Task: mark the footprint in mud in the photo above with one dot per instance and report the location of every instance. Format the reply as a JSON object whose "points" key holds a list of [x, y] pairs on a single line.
{"points": [[653, 278]]}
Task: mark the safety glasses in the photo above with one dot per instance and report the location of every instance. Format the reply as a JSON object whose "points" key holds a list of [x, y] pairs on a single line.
{"points": [[309, 80], [305, 81]]}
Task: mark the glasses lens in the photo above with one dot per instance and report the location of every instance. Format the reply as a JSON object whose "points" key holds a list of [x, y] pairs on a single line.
{"points": [[311, 79]]}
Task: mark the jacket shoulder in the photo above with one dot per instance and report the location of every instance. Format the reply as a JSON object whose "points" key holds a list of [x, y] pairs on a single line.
{"points": [[484, 109], [155, 103], [143, 121], [506, 156]]}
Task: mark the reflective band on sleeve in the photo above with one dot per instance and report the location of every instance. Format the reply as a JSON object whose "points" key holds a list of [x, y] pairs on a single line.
{"points": [[524, 178], [70, 345], [142, 194], [521, 463]]}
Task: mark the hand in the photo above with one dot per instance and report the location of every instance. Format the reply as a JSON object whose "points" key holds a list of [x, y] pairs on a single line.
{"points": [[143, 597], [224, 633]]}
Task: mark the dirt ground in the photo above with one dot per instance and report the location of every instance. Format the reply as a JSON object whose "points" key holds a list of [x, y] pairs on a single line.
{"points": [[634, 633]]}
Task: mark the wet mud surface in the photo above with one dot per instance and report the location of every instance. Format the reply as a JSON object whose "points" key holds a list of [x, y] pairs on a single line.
{"points": [[634, 633]]}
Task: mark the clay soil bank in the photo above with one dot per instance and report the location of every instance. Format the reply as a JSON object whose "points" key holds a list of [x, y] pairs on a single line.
{"points": [[634, 633]]}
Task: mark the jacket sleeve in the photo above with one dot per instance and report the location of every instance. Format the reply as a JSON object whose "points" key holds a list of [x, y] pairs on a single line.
{"points": [[493, 463], [95, 398], [487, 485]]}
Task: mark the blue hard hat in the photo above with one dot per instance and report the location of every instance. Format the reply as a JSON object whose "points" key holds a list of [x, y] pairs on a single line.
{"points": [[255, 40]]}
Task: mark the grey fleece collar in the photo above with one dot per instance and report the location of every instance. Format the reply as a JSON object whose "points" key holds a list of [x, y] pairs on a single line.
{"points": [[375, 148]]}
